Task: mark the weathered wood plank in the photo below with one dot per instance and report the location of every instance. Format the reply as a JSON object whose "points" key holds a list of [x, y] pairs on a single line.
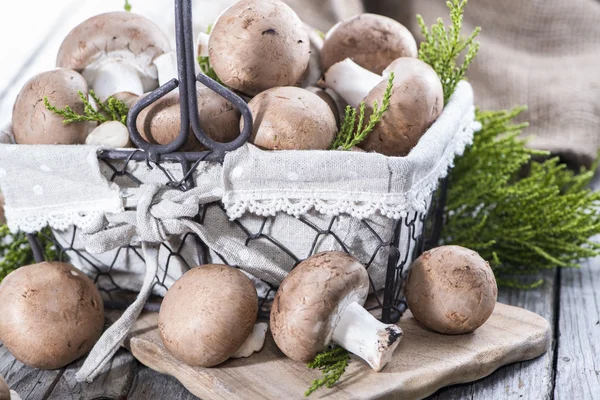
{"points": [[578, 358], [29, 383], [423, 362], [529, 380], [151, 385], [114, 382]]}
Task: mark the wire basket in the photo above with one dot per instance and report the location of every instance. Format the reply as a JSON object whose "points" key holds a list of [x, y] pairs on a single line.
{"points": [[408, 237]]}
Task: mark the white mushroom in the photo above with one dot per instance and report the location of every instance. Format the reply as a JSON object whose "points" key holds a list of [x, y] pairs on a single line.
{"points": [[111, 134], [321, 302], [114, 52], [254, 343]]}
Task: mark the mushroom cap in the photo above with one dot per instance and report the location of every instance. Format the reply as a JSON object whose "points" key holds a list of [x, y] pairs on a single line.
{"points": [[372, 41], [4, 390], [208, 314], [52, 314], [160, 122], [417, 101], [335, 102], [34, 124], [311, 297], [112, 32], [256, 45], [451, 290], [291, 118]]}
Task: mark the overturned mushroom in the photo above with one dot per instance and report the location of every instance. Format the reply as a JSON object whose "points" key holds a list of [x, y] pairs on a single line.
{"points": [[256, 45], [114, 52], [33, 123], [451, 290], [321, 302], [372, 41], [52, 295], [291, 118], [208, 314], [417, 101], [111, 134]]}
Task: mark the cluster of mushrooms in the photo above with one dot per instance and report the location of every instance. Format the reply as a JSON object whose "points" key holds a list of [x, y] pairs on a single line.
{"points": [[209, 315], [296, 82]]}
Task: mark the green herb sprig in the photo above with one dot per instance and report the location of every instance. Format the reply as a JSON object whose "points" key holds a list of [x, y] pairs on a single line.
{"points": [[15, 251], [333, 364], [522, 215], [127, 6], [443, 46], [111, 110], [353, 132], [204, 62]]}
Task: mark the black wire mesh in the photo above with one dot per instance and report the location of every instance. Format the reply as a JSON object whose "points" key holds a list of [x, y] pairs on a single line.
{"points": [[419, 228]]}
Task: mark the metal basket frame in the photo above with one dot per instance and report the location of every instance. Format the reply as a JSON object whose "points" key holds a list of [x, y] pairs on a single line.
{"points": [[389, 300]]}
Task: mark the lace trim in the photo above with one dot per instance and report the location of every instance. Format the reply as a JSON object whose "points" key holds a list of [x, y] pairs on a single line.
{"points": [[358, 205], [31, 221]]}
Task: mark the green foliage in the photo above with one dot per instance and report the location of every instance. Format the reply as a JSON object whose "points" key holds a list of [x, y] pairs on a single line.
{"points": [[320, 33], [352, 132], [127, 6], [522, 215], [111, 110], [204, 62], [333, 363], [15, 251], [443, 46]]}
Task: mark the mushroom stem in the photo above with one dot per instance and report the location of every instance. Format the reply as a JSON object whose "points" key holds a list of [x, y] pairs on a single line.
{"points": [[351, 81], [166, 64], [254, 343], [362, 334], [113, 76], [203, 39]]}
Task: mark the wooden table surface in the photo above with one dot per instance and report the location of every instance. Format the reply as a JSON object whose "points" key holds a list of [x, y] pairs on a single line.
{"points": [[569, 298]]}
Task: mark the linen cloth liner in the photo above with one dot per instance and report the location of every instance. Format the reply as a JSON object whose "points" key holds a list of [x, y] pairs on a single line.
{"points": [[37, 182]]}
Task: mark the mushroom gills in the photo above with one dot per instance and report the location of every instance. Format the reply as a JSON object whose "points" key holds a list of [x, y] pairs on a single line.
{"points": [[362, 334], [254, 342], [118, 73]]}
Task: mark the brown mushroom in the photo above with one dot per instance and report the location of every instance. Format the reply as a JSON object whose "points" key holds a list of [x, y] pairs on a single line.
{"points": [[291, 118], [52, 314], [320, 302], [33, 123], [4, 390], [208, 314], [451, 290], [114, 52], [417, 101], [333, 100], [160, 122], [256, 45], [372, 41]]}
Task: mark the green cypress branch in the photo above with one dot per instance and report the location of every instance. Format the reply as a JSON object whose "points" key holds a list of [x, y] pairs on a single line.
{"points": [[333, 363], [127, 6], [15, 251], [443, 46], [111, 110], [522, 215], [353, 132]]}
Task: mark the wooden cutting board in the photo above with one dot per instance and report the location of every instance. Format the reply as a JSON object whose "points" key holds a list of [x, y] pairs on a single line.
{"points": [[423, 362]]}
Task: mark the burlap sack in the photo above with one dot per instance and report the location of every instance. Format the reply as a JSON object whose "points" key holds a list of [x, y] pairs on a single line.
{"points": [[540, 53]]}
